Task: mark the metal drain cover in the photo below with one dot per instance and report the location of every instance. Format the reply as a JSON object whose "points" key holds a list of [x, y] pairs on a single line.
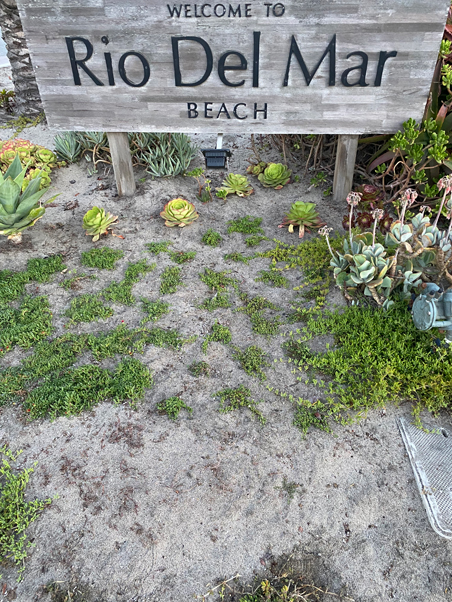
{"points": [[431, 459]]}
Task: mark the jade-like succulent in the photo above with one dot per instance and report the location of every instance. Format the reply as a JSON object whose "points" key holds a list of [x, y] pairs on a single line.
{"points": [[97, 221], [19, 209], [236, 184], [275, 175], [398, 233], [179, 212], [303, 215]]}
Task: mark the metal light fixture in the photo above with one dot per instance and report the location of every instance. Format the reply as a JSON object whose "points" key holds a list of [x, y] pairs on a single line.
{"points": [[433, 309]]}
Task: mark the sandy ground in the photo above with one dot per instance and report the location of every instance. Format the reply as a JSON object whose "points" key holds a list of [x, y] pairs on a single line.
{"points": [[152, 510]]}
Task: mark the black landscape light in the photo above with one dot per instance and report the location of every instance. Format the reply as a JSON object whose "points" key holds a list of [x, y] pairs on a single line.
{"points": [[216, 157]]}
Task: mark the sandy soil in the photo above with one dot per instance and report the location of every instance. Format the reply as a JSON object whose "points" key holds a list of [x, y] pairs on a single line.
{"points": [[151, 510]]}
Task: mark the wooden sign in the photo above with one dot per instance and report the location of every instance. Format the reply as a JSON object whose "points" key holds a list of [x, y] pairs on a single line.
{"points": [[298, 66]]}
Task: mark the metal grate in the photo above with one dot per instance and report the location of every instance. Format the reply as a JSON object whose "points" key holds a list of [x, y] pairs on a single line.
{"points": [[431, 459]]}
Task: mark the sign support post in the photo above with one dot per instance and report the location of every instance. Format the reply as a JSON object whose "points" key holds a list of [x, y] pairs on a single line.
{"points": [[347, 145], [122, 162]]}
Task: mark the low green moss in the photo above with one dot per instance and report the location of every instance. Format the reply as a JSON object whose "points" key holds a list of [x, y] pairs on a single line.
{"points": [[87, 308], [170, 281], [219, 334], [211, 238]]}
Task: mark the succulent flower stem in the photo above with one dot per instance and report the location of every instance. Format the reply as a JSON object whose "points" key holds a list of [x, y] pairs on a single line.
{"points": [[350, 225], [440, 208]]}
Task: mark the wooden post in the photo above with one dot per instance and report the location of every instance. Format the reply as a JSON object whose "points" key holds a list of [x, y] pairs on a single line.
{"points": [[347, 146], [122, 162]]}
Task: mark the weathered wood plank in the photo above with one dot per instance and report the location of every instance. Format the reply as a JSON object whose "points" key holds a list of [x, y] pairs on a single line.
{"points": [[345, 166], [119, 31], [122, 163]]}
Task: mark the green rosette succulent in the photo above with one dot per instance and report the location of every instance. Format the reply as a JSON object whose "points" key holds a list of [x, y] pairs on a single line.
{"points": [[236, 184], [256, 168], [45, 156], [97, 221], [303, 215], [179, 212], [275, 175], [19, 209], [44, 174]]}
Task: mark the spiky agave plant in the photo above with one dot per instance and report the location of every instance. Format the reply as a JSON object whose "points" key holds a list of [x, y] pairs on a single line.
{"points": [[19, 209], [179, 212], [303, 215], [236, 184], [97, 221]]}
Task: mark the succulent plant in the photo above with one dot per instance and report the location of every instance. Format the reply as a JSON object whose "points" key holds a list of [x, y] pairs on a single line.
{"points": [[303, 215], [18, 146], [275, 175], [256, 168], [372, 197], [364, 220], [179, 212], [398, 233], [19, 209], [34, 173], [236, 184], [385, 223], [97, 221]]}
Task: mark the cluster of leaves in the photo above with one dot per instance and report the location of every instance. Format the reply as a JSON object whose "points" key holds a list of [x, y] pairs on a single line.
{"points": [[158, 247], [252, 360], [79, 389], [154, 310], [218, 283], [51, 360], [172, 407], [273, 278], [238, 257], [161, 154], [16, 514], [25, 326], [103, 258], [234, 399], [419, 154], [219, 334], [12, 284], [245, 225], [198, 369], [254, 240], [121, 292], [171, 279], [371, 346], [39, 161], [211, 238], [87, 308], [254, 308]]}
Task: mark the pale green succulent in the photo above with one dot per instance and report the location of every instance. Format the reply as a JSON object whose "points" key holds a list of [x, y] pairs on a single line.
{"points": [[303, 215], [430, 236], [398, 233], [179, 212], [235, 184], [419, 223], [19, 209], [275, 175], [97, 221]]}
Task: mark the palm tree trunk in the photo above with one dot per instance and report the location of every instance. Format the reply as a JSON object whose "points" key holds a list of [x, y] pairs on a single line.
{"points": [[28, 100]]}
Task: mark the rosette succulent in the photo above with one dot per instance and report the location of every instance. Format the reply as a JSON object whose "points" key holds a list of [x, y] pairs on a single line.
{"points": [[303, 215], [236, 184], [19, 209], [97, 221], [179, 212], [256, 168], [275, 175]]}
